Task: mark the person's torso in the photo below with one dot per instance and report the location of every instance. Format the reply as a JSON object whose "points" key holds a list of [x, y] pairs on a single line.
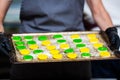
{"points": [[51, 15]]}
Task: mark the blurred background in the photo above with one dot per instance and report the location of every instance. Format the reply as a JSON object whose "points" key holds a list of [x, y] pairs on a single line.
{"points": [[12, 24]]}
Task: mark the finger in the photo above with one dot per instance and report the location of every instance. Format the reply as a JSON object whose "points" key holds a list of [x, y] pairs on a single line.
{"points": [[117, 43], [3, 51], [7, 46], [112, 40], [112, 47]]}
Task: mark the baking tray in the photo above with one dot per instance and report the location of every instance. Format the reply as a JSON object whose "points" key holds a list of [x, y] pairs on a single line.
{"points": [[95, 54]]}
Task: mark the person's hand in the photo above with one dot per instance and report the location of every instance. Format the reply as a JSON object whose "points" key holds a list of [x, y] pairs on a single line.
{"points": [[5, 47], [113, 37]]}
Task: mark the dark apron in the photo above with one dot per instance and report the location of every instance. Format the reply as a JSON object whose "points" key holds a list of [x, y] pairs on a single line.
{"points": [[106, 69], [51, 16]]}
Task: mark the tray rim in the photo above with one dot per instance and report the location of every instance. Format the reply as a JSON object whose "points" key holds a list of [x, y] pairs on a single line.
{"points": [[51, 33]]}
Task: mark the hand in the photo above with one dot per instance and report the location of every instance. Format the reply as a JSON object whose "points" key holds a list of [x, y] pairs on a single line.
{"points": [[5, 47], [113, 37]]}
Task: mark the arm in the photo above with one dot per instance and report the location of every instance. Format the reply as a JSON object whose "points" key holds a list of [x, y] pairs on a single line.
{"points": [[104, 21], [99, 13], [4, 5], [5, 46]]}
